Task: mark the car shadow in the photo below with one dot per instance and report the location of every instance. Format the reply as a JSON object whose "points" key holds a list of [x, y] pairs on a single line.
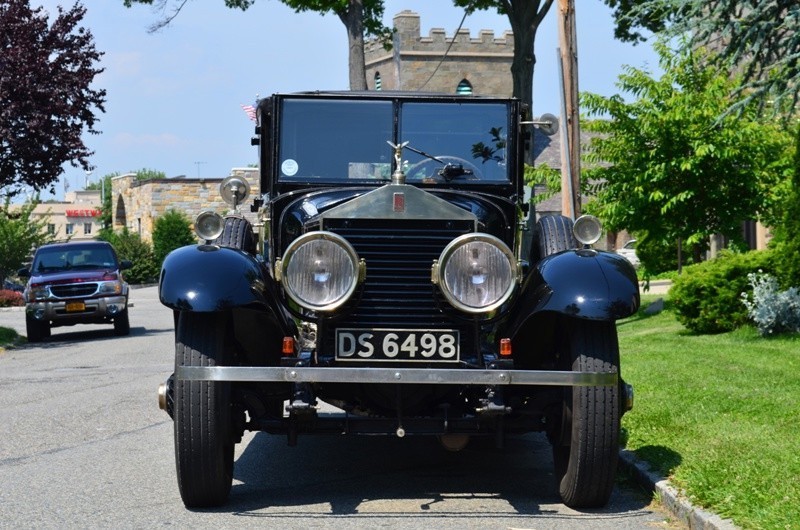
{"points": [[64, 335], [401, 477]]}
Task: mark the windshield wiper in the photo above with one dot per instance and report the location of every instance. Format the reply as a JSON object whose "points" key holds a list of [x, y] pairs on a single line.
{"points": [[449, 171]]}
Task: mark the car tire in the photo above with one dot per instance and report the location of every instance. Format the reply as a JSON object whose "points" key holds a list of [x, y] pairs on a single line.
{"points": [[202, 414], [586, 448], [237, 232], [36, 329], [122, 326], [554, 235]]}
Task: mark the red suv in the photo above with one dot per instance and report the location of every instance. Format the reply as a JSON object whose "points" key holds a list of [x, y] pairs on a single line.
{"points": [[75, 283]]}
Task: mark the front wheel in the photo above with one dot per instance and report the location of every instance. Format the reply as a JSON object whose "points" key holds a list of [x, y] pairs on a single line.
{"points": [[37, 330], [586, 446], [122, 326], [202, 414]]}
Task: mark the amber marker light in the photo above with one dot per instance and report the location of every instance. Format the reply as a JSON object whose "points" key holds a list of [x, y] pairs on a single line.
{"points": [[505, 347], [288, 346]]}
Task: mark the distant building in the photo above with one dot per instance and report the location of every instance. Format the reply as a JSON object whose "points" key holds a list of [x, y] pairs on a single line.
{"points": [[76, 218], [136, 204], [480, 66]]}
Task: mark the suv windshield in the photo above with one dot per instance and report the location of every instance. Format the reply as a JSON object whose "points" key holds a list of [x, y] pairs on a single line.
{"points": [[331, 140], [61, 259]]}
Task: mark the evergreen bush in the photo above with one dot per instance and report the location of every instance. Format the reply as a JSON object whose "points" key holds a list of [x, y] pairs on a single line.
{"points": [[172, 230], [130, 246], [707, 296]]}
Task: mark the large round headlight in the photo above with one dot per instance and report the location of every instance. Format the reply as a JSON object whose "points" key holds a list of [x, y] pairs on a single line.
{"points": [[477, 273], [320, 271]]}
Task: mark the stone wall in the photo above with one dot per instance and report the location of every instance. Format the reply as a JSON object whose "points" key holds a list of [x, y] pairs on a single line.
{"points": [[484, 62], [137, 204]]}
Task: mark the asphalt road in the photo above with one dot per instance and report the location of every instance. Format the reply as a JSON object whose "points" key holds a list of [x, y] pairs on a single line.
{"points": [[84, 445]]}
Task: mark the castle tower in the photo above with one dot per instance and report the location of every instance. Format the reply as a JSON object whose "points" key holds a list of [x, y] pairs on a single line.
{"points": [[478, 66]]}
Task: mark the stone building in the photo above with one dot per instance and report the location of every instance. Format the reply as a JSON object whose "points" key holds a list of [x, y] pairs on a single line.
{"points": [[136, 204], [479, 66]]}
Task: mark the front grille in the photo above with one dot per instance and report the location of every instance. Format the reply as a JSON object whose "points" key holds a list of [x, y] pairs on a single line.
{"points": [[74, 290], [398, 292]]}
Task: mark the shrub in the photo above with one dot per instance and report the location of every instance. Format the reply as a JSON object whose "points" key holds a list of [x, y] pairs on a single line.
{"points": [[131, 247], [707, 296], [10, 298], [172, 230], [773, 311]]}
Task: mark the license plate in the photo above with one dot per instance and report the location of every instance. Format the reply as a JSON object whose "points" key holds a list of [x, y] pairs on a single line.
{"points": [[75, 306], [440, 345]]}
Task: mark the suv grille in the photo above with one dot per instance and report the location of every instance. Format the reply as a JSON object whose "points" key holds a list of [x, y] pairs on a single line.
{"points": [[398, 292], [73, 290]]}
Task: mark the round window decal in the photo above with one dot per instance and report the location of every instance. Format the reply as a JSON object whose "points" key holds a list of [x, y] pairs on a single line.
{"points": [[289, 167]]}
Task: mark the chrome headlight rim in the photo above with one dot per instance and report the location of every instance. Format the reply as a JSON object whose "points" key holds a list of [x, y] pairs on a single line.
{"points": [[201, 224], [283, 265], [587, 229], [452, 247]]}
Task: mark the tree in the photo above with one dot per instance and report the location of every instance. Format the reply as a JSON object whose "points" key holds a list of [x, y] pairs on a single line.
{"points": [[104, 187], [787, 232], [131, 247], [360, 18], [524, 16], [669, 166], [19, 233], [46, 102], [172, 230], [761, 39]]}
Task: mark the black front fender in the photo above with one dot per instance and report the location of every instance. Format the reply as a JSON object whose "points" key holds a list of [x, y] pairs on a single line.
{"points": [[206, 278], [582, 284]]}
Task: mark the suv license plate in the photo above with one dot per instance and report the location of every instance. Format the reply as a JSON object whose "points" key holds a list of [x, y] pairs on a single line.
{"points": [[75, 306], [440, 345]]}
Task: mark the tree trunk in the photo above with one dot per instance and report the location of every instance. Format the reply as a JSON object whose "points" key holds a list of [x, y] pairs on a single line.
{"points": [[353, 20], [524, 16]]}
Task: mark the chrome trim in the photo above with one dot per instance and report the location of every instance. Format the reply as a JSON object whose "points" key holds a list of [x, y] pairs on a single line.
{"points": [[395, 375]]}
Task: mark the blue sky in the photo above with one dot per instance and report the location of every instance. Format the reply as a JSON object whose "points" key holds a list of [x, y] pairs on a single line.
{"points": [[174, 97]]}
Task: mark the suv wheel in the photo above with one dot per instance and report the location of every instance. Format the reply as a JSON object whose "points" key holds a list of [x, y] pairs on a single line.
{"points": [[585, 451], [122, 325], [203, 428], [37, 330]]}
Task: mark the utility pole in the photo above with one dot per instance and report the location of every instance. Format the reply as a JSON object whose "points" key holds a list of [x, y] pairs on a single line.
{"points": [[570, 135]]}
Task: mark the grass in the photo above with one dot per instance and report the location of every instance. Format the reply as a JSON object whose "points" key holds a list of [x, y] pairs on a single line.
{"points": [[7, 337], [717, 414]]}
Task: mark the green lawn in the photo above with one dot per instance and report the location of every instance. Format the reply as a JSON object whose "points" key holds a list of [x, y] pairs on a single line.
{"points": [[7, 336], [719, 415]]}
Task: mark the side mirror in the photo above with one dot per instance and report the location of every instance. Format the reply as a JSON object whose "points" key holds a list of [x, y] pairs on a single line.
{"points": [[24, 273], [125, 264]]}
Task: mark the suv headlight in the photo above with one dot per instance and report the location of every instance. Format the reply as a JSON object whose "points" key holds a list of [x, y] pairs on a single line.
{"points": [[320, 271], [38, 293], [477, 273], [114, 287]]}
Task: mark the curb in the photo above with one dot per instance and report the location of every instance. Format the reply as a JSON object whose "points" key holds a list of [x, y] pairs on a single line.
{"points": [[680, 508]]}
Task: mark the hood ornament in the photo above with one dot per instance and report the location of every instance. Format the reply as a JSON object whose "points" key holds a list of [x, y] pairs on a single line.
{"points": [[398, 177]]}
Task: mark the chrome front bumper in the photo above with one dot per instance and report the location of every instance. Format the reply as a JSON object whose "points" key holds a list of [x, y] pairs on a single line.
{"points": [[94, 307], [396, 376]]}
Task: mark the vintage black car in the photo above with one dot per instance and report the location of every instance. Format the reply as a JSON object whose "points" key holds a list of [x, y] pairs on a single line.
{"points": [[394, 271], [75, 283]]}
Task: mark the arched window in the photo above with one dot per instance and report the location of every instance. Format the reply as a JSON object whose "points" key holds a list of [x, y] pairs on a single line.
{"points": [[377, 80], [464, 88], [120, 218]]}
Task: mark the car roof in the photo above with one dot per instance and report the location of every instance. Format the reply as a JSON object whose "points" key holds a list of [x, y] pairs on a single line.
{"points": [[76, 244]]}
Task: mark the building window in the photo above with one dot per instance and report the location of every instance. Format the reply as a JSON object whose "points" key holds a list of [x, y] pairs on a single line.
{"points": [[464, 88], [51, 229], [87, 228], [377, 80], [70, 228]]}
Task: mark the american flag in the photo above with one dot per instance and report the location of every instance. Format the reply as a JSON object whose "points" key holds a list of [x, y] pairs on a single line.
{"points": [[250, 111]]}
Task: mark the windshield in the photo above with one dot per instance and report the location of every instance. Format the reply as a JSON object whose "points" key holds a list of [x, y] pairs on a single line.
{"points": [[63, 259], [332, 140]]}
